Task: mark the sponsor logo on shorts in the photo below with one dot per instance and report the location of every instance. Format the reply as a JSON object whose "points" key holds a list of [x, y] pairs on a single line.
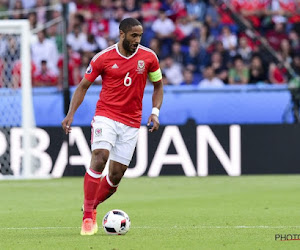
{"points": [[98, 132]]}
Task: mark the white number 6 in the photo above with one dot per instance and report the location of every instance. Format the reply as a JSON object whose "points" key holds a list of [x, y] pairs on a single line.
{"points": [[127, 80]]}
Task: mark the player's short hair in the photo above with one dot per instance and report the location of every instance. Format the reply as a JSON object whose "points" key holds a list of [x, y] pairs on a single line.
{"points": [[128, 23]]}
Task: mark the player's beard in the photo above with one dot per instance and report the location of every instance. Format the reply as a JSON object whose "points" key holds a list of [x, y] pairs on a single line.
{"points": [[127, 47]]}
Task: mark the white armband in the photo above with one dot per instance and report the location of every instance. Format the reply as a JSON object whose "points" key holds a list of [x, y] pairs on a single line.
{"points": [[155, 111]]}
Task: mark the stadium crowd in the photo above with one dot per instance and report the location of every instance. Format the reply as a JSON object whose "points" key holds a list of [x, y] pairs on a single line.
{"points": [[198, 42]]}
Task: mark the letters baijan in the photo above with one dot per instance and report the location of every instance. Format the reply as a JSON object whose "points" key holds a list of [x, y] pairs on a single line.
{"points": [[55, 166]]}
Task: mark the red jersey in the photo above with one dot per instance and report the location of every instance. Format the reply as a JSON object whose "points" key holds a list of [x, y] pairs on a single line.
{"points": [[293, 8], [123, 82], [250, 6]]}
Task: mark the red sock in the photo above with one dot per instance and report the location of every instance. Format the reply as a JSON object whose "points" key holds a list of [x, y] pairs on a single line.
{"points": [[91, 183], [105, 190]]}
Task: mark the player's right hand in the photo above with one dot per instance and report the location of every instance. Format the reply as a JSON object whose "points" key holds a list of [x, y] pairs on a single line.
{"points": [[154, 120], [66, 124]]}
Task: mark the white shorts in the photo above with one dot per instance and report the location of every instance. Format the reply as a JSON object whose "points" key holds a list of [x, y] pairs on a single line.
{"points": [[114, 136]]}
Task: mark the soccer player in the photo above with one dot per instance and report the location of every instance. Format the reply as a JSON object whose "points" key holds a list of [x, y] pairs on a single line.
{"points": [[124, 68]]}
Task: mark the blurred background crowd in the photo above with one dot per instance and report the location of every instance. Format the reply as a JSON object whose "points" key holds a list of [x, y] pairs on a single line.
{"points": [[198, 42]]}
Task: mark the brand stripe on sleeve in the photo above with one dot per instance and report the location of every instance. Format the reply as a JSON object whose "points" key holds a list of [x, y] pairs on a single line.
{"points": [[103, 52], [149, 50]]}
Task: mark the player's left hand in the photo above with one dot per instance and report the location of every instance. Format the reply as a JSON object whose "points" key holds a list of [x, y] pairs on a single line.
{"points": [[155, 122]]}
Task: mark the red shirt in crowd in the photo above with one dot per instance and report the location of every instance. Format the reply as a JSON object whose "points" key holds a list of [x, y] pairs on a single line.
{"points": [[74, 63]]}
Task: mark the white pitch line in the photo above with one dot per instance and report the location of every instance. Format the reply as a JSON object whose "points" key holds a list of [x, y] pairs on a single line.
{"points": [[153, 227]]}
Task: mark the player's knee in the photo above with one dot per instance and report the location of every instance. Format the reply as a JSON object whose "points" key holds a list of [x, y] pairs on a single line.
{"points": [[99, 159]]}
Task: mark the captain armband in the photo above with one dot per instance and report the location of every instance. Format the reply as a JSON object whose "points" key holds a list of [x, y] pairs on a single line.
{"points": [[155, 76]]}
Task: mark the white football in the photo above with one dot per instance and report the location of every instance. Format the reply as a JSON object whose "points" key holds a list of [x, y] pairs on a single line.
{"points": [[116, 222]]}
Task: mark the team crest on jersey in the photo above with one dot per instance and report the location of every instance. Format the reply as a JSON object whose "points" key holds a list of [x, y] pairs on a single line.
{"points": [[140, 67], [89, 69], [98, 132]]}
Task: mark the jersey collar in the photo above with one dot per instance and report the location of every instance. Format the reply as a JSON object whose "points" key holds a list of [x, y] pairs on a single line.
{"points": [[117, 48]]}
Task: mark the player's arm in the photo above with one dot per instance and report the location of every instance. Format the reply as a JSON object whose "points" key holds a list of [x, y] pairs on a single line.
{"points": [[157, 98], [76, 100]]}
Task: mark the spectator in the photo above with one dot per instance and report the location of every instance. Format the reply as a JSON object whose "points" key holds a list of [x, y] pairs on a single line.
{"points": [[284, 11], [32, 18], [56, 14], [28, 4], [55, 37], [296, 63], [150, 10], [210, 80], [107, 8], [110, 42], [44, 76], [41, 12], [188, 78], [223, 14], [218, 46], [115, 22], [294, 39], [131, 9], [85, 61], [285, 52], [18, 8], [192, 59], [3, 7], [73, 67], [177, 52], [220, 69], [165, 80], [244, 50], [275, 12], [90, 45], [276, 75], [258, 72], [295, 18], [229, 41], [184, 29], [274, 37], [87, 9], [98, 25], [16, 73], [79, 21], [206, 39], [174, 9], [239, 73], [212, 18], [155, 46], [76, 38], [72, 9], [11, 54], [196, 10], [172, 70], [45, 50], [251, 10], [164, 28], [118, 4]]}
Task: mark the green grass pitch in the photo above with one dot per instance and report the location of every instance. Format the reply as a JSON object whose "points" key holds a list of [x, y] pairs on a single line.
{"points": [[217, 212]]}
